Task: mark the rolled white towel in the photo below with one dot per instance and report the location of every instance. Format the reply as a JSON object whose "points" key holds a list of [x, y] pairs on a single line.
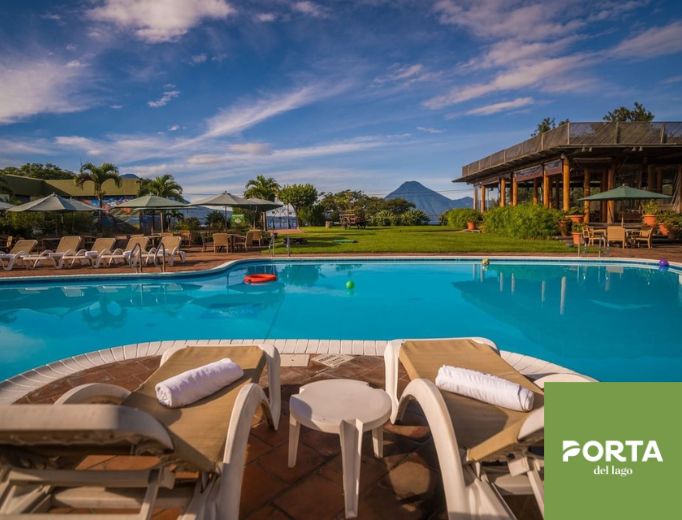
{"points": [[197, 383], [484, 387]]}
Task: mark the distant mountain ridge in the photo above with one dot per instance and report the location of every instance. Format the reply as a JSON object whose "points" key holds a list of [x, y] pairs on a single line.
{"points": [[430, 202]]}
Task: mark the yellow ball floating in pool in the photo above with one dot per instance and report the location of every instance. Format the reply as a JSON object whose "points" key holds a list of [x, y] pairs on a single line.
{"points": [[485, 261], [350, 284]]}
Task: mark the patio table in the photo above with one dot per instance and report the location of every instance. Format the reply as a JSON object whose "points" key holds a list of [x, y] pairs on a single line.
{"points": [[347, 408]]}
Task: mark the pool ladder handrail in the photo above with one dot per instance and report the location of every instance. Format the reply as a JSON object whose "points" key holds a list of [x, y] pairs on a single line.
{"points": [[162, 247], [138, 267]]}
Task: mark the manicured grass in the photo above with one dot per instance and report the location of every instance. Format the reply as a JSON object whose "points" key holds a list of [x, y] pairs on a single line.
{"points": [[417, 239]]}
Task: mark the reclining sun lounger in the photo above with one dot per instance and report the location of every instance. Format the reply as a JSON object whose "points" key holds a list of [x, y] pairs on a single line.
{"points": [[483, 450], [101, 246], [21, 250], [41, 445], [169, 247], [124, 255], [67, 246]]}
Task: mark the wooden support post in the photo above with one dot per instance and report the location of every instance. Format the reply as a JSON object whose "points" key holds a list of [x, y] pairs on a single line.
{"points": [[514, 191], [545, 191], [475, 197], [659, 180], [503, 192], [586, 193], [566, 184], [483, 197], [602, 188], [677, 200], [610, 184], [535, 191], [557, 192], [650, 178]]}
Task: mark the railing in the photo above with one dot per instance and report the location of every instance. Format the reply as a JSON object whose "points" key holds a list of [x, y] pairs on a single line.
{"points": [[138, 266], [597, 134], [162, 247]]}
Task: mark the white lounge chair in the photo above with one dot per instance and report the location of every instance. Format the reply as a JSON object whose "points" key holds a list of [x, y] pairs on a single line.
{"points": [[43, 444], [20, 250], [169, 247], [483, 450], [124, 255], [100, 247], [67, 246]]}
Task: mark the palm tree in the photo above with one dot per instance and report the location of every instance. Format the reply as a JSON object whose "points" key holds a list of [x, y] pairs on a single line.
{"points": [[162, 186], [262, 188], [98, 175]]}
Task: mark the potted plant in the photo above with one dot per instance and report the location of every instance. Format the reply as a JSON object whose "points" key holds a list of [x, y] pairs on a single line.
{"points": [[576, 214], [669, 224], [577, 233], [473, 220], [650, 213]]}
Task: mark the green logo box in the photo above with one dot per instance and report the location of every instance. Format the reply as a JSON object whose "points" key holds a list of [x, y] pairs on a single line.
{"points": [[613, 451]]}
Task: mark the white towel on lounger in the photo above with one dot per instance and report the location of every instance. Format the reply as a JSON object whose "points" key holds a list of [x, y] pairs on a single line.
{"points": [[484, 387], [197, 383]]}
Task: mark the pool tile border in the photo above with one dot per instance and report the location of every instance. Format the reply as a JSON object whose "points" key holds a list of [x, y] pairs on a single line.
{"points": [[22, 384]]}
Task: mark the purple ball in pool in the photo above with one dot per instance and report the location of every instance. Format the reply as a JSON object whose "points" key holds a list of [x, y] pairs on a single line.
{"points": [[663, 263]]}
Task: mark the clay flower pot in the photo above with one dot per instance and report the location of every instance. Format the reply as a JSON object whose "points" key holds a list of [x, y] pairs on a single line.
{"points": [[577, 237], [663, 229], [471, 225], [577, 218], [649, 220]]}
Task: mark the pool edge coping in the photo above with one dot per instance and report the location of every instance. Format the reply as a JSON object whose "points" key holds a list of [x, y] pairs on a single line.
{"points": [[364, 258], [22, 384]]}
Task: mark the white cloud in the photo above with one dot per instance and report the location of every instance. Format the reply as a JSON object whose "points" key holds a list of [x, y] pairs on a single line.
{"points": [[502, 106], [429, 130], [245, 115], [174, 128], [33, 86], [405, 75], [656, 41], [156, 21], [116, 107], [673, 79], [89, 146], [310, 9], [165, 98], [504, 19], [74, 63], [250, 148], [534, 74], [266, 17], [16, 147], [199, 58], [71, 47]]}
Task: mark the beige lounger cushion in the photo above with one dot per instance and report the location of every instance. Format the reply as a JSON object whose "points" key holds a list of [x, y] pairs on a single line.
{"points": [[484, 430], [199, 430]]}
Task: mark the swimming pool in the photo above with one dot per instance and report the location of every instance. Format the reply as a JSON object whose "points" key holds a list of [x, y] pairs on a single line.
{"points": [[612, 321]]}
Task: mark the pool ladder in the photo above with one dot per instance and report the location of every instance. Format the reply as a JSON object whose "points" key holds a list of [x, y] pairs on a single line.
{"points": [[138, 250]]}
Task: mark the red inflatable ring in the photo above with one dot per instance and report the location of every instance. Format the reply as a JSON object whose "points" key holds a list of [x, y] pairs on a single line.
{"points": [[260, 278]]}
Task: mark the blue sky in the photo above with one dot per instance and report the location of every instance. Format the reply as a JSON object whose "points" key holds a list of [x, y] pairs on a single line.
{"points": [[358, 94]]}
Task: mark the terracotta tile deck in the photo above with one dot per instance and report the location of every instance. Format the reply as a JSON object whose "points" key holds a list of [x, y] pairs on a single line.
{"points": [[198, 260], [405, 483]]}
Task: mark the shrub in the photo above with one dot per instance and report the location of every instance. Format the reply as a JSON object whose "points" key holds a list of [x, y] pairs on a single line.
{"points": [[413, 217], [383, 218], [524, 221], [311, 215], [459, 217]]}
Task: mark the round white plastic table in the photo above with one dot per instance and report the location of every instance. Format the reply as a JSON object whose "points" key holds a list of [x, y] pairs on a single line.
{"points": [[348, 408]]}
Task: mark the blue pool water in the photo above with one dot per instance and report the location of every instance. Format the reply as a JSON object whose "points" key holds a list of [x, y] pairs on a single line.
{"points": [[614, 322]]}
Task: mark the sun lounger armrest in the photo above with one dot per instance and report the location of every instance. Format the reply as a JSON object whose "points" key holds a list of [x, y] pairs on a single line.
{"points": [[94, 393], [560, 377], [391, 362]]}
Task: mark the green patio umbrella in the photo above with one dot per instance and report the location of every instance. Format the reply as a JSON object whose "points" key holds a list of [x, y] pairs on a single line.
{"points": [[224, 200], [626, 193], [53, 202], [152, 202]]}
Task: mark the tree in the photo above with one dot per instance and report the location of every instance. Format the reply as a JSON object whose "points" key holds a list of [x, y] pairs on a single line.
{"points": [[262, 188], [547, 124], [398, 206], [216, 220], [38, 171], [623, 114], [299, 196], [162, 186], [98, 175]]}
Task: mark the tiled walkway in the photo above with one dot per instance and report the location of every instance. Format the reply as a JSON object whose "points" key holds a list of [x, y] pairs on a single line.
{"points": [[405, 483]]}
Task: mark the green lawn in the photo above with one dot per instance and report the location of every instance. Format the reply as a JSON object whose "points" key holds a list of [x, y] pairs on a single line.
{"points": [[417, 239]]}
